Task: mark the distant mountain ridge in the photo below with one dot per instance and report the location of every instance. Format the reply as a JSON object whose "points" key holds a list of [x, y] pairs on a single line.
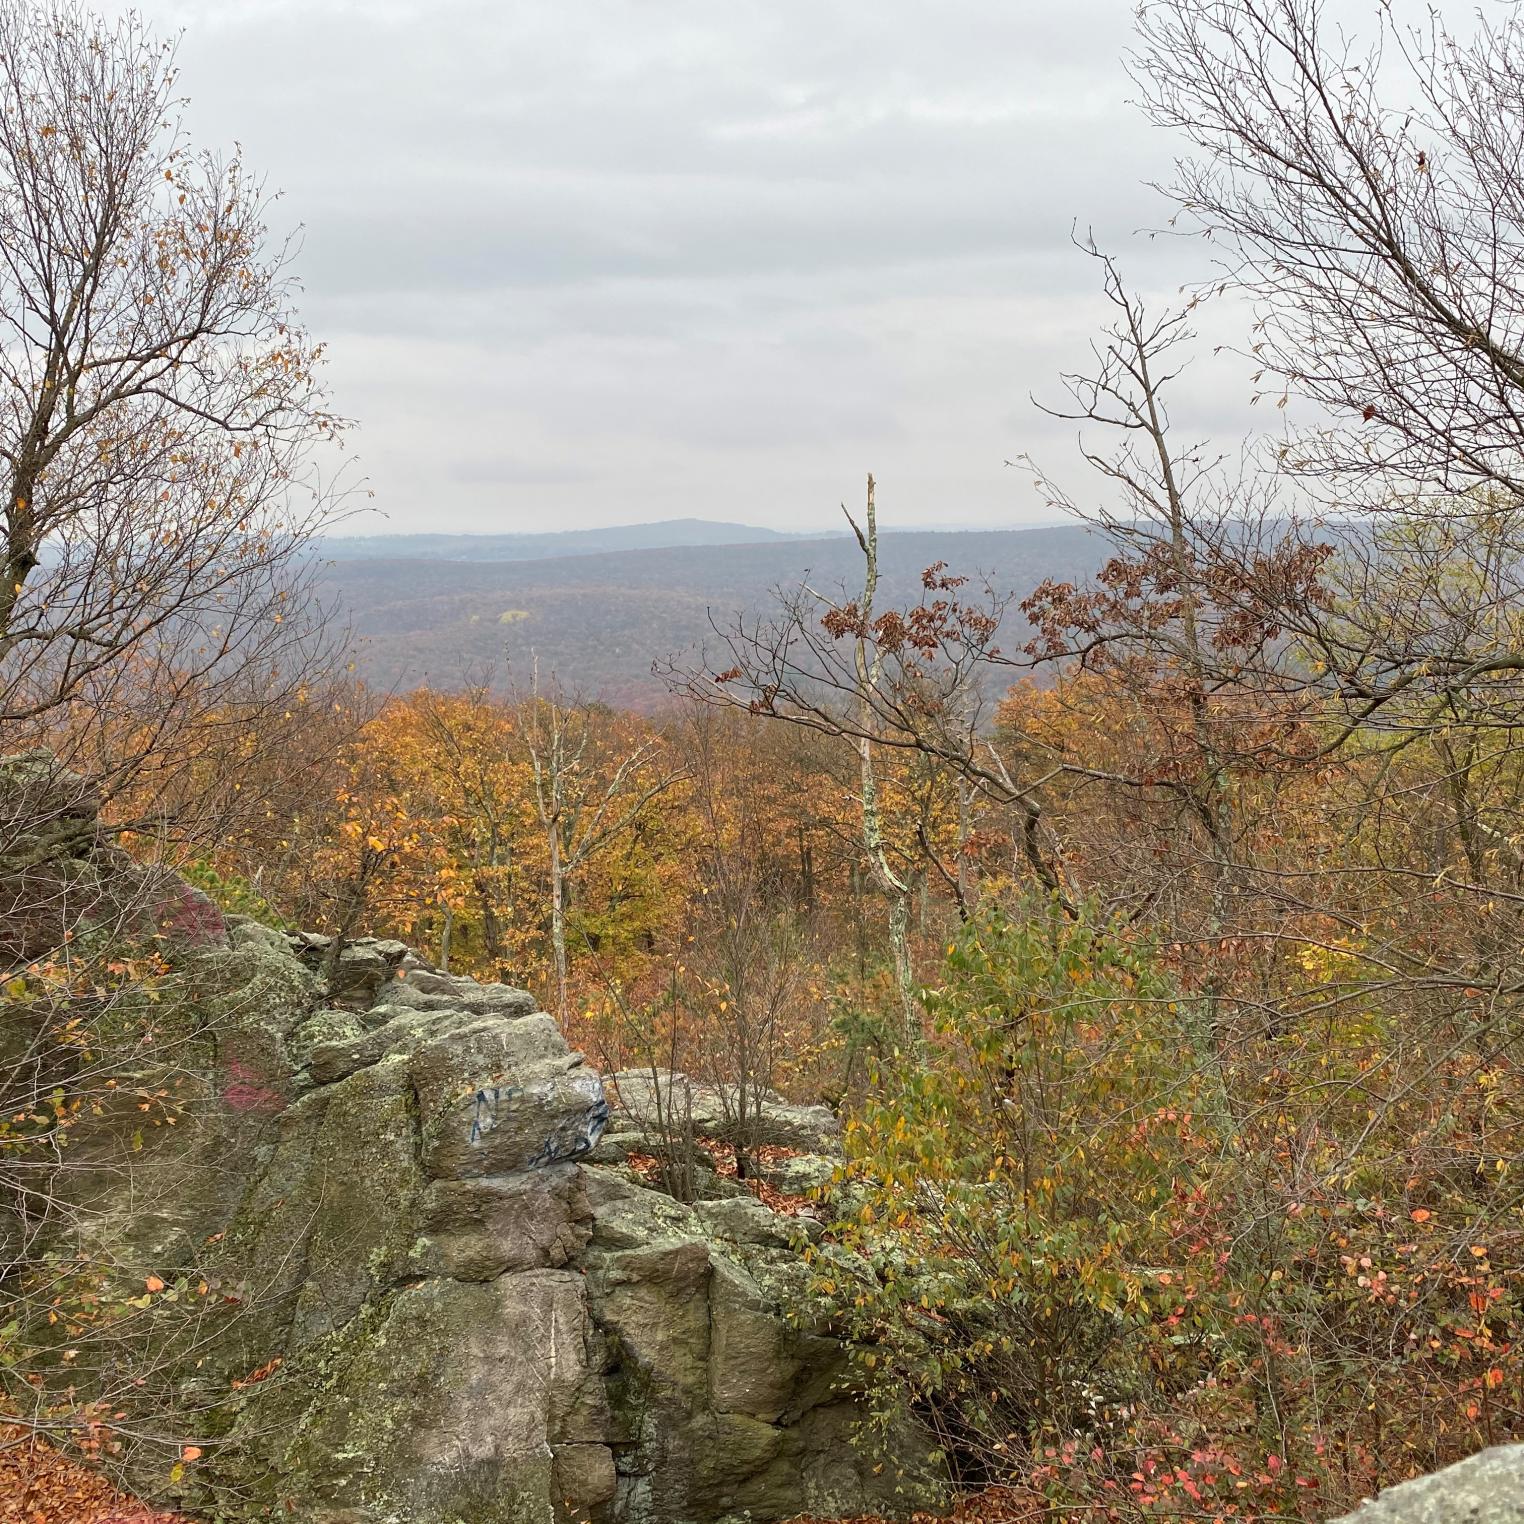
{"points": [[598, 619], [662, 534]]}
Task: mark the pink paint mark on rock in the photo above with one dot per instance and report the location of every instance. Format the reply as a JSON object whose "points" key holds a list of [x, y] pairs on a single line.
{"points": [[191, 917], [245, 1092]]}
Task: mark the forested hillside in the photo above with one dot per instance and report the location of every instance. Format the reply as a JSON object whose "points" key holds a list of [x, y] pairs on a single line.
{"points": [[1023, 1024], [599, 619], [547, 546]]}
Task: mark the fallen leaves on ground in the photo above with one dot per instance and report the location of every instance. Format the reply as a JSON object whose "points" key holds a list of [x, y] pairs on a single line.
{"points": [[42, 1485]]}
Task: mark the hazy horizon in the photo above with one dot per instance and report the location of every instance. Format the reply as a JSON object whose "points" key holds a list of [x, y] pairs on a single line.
{"points": [[823, 531]]}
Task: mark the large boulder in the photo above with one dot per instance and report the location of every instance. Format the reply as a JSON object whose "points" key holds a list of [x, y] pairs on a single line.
{"points": [[438, 1309], [1487, 1488], [395, 1273]]}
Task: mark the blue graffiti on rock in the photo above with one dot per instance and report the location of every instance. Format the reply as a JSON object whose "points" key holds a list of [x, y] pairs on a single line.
{"points": [[484, 1114], [573, 1137]]}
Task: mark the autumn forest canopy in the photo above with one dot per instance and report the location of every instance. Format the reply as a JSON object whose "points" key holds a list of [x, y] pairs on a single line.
{"points": [[1155, 935]]}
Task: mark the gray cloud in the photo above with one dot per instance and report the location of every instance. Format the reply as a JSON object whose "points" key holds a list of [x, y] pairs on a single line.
{"points": [[583, 260]]}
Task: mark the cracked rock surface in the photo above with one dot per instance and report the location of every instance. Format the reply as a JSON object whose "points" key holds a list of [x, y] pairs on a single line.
{"points": [[475, 1322]]}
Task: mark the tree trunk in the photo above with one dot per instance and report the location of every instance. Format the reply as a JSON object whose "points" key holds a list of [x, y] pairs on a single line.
{"points": [[964, 865], [558, 920], [873, 836]]}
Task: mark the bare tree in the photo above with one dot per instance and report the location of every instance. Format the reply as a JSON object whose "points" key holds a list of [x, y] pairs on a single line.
{"points": [[903, 682], [868, 670], [748, 943], [1184, 618], [159, 404], [1369, 198], [160, 411]]}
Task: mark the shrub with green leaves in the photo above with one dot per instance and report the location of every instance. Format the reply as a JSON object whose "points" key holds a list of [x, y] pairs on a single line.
{"points": [[995, 1215], [233, 893], [1117, 1251]]}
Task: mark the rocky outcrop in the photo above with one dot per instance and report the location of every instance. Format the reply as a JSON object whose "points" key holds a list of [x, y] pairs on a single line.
{"points": [[401, 1267], [442, 1308], [1484, 1489]]}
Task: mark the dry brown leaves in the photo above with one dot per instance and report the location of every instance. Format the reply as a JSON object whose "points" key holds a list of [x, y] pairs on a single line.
{"points": [[41, 1485]]}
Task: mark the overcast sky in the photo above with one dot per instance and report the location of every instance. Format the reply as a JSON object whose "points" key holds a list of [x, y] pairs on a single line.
{"points": [[595, 261]]}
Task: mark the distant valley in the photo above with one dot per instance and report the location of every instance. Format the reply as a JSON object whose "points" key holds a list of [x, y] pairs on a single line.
{"points": [[551, 544], [453, 609]]}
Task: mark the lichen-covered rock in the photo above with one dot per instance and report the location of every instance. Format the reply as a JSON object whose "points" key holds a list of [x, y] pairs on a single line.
{"points": [[357, 971], [743, 1220], [445, 1402], [652, 1100], [325, 1029], [419, 1298], [1485, 1489], [800, 1174], [753, 1365], [479, 1229], [473, 1323]]}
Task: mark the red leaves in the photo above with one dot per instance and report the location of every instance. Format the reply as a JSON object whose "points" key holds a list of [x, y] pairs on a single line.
{"points": [[938, 626], [42, 1485], [260, 1373], [1241, 597]]}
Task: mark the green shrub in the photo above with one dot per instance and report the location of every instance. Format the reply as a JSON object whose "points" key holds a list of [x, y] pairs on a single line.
{"points": [[232, 893]]}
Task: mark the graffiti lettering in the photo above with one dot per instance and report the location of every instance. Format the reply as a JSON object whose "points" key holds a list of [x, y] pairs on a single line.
{"points": [[484, 1115], [571, 1138], [574, 1137]]}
